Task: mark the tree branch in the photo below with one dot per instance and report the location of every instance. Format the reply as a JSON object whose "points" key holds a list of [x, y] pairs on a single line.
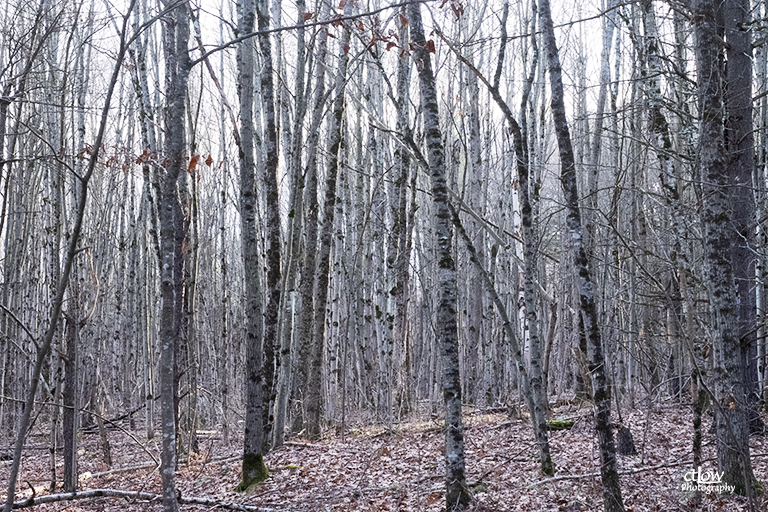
{"points": [[136, 495], [335, 19]]}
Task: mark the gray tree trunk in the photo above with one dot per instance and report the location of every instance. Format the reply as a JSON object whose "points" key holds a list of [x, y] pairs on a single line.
{"points": [[717, 218], [739, 139], [308, 371], [178, 67], [272, 207], [457, 494], [601, 391], [254, 469]]}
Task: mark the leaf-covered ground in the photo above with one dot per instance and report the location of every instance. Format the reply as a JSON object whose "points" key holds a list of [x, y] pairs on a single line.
{"points": [[374, 470]]}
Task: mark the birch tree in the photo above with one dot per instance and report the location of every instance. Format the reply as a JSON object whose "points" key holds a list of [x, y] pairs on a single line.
{"points": [[309, 372], [72, 250]]}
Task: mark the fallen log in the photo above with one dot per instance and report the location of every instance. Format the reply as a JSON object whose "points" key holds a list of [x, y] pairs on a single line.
{"points": [[137, 495]]}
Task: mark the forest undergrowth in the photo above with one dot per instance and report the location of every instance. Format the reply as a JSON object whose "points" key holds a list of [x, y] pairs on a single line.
{"points": [[372, 469]]}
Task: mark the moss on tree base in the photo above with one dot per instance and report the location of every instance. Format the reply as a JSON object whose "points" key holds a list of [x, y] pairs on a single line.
{"points": [[254, 472], [758, 489]]}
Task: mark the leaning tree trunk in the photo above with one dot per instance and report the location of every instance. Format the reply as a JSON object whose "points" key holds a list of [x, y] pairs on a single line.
{"points": [[72, 251], [446, 325], [601, 391]]}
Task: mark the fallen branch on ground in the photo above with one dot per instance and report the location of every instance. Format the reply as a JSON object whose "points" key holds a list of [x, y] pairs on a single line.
{"points": [[144, 465], [622, 472], [303, 445], [136, 495]]}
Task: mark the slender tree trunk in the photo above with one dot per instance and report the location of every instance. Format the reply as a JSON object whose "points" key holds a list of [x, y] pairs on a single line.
{"points": [[254, 469], [272, 208], [739, 140], [287, 361], [308, 371], [178, 67], [325, 236], [72, 250], [224, 337], [402, 229], [601, 390], [457, 494]]}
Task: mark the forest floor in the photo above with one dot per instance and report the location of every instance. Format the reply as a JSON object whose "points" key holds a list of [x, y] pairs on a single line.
{"points": [[371, 469]]}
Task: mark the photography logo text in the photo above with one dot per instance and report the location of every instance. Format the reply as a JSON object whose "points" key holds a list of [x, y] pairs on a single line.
{"points": [[705, 481]]}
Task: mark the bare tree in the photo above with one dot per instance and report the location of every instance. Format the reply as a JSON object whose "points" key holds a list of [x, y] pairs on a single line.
{"points": [[588, 309], [731, 407], [254, 469], [457, 495], [72, 251], [272, 207], [178, 67]]}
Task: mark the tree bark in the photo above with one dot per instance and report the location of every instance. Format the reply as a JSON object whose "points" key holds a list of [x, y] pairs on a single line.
{"points": [[457, 494], [272, 207], [717, 216], [588, 309], [254, 469], [739, 140], [178, 66]]}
